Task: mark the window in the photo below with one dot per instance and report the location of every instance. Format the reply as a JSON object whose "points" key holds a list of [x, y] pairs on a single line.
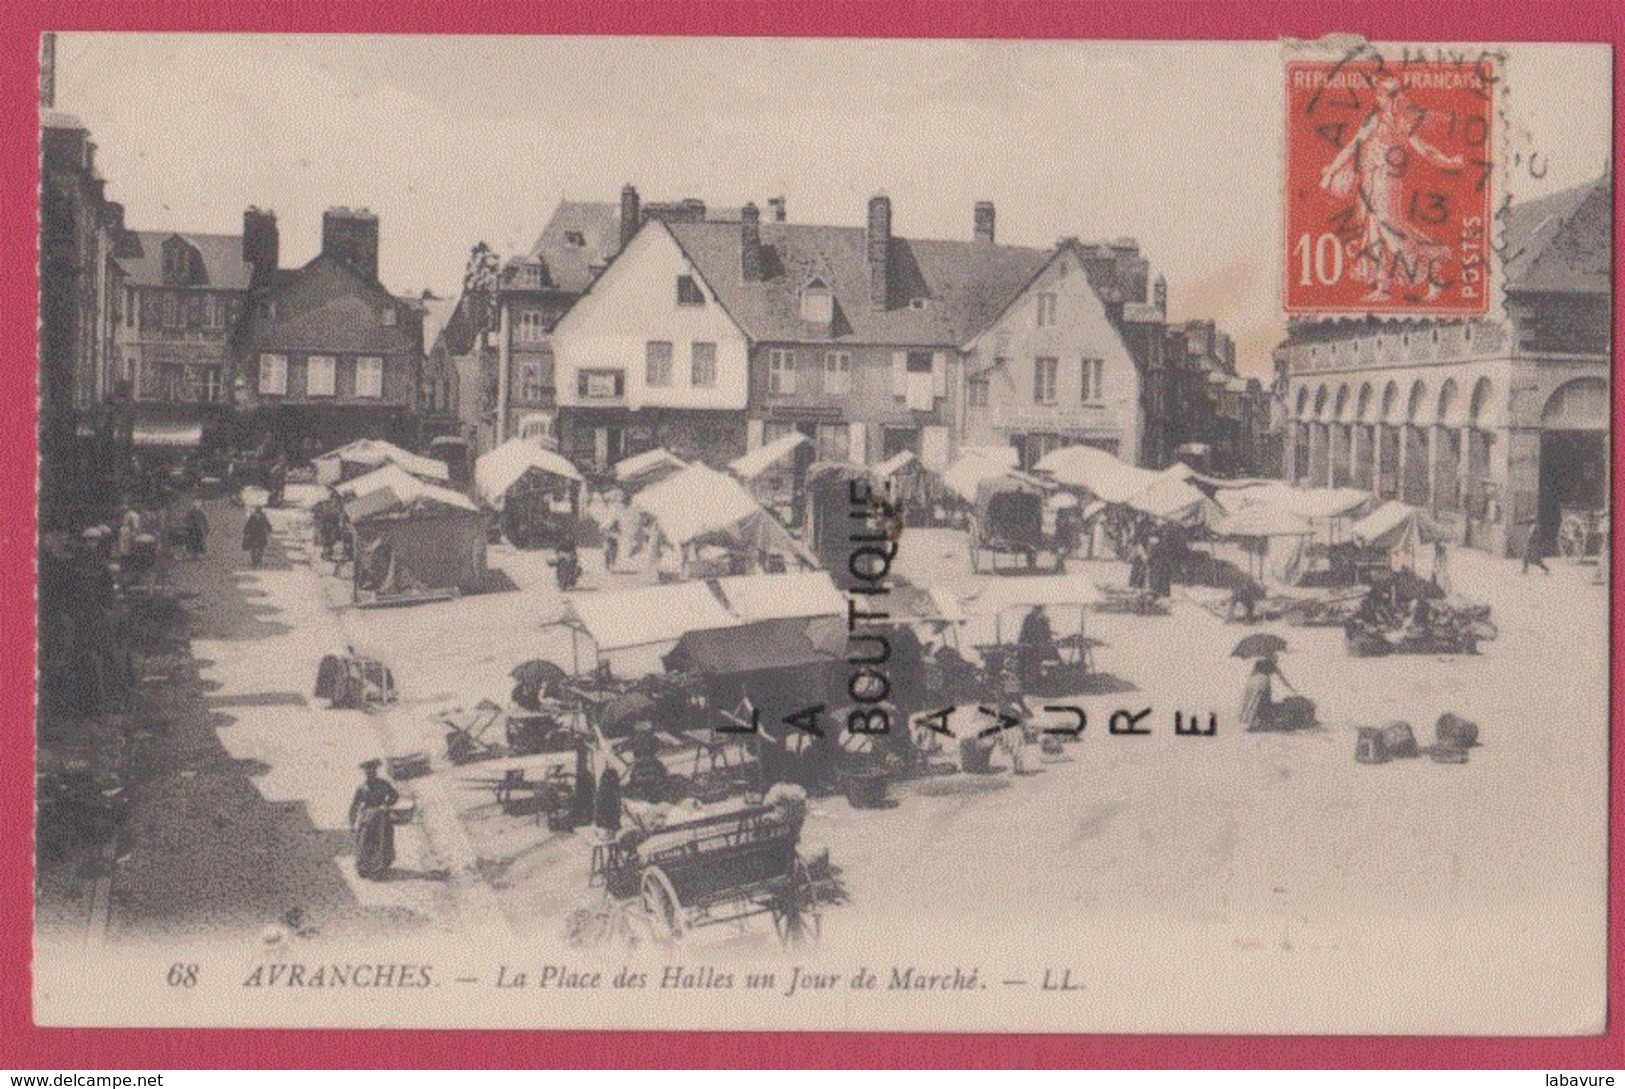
{"points": [[574, 238], [369, 376], [781, 370], [688, 292], [530, 325], [600, 385], [194, 311], [834, 442], [319, 372], [214, 311], [214, 390], [273, 374], [817, 304], [530, 382], [388, 316], [1094, 381], [268, 310], [657, 364], [1046, 308], [1044, 369], [705, 364], [172, 310], [837, 372], [976, 391]]}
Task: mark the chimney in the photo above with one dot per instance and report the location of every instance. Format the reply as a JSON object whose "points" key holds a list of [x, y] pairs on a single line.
{"points": [[984, 221], [1159, 294], [750, 244], [631, 219], [351, 236], [259, 244], [47, 70], [880, 252], [776, 206]]}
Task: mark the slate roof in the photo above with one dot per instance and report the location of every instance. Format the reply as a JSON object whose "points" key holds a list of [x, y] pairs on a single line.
{"points": [[569, 267], [962, 286], [1561, 243], [344, 321], [141, 257]]}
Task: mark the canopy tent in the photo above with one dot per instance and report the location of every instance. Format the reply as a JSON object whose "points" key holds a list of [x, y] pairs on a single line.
{"points": [[1262, 520], [1171, 497], [499, 471], [967, 476], [646, 615], [699, 501], [763, 458], [908, 603], [1391, 522], [1314, 503], [392, 490], [1099, 472], [647, 468], [355, 458], [997, 595], [797, 594], [749, 648]]}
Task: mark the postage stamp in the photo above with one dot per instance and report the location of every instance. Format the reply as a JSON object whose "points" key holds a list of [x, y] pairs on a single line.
{"points": [[698, 534], [1390, 176]]}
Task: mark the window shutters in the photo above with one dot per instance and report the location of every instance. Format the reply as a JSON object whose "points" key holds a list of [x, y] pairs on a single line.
{"points": [[939, 374], [856, 449], [899, 374]]}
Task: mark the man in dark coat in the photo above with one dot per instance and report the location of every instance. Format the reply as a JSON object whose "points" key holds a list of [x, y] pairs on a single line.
{"points": [[256, 535], [1035, 646]]}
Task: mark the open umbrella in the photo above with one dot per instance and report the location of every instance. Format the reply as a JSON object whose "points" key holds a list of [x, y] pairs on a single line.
{"points": [[539, 673], [1259, 645]]}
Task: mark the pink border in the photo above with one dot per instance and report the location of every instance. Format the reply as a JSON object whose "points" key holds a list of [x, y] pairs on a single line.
{"points": [[23, 1046]]}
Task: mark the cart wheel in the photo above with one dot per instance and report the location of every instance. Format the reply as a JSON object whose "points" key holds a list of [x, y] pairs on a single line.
{"points": [[660, 902], [796, 918]]}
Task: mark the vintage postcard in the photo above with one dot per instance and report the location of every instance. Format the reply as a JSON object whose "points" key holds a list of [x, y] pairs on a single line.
{"points": [[733, 534]]}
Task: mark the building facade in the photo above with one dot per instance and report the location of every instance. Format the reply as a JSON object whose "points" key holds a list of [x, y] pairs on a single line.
{"points": [[179, 297], [324, 354], [1498, 427], [649, 357]]}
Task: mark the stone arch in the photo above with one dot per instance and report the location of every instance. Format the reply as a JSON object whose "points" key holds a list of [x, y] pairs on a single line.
{"points": [[1340, 405], [1390, 402], [1452, 407], [1321, 395], [1479, 407], [1417, 408], [1580, 404], [1363, 404]]}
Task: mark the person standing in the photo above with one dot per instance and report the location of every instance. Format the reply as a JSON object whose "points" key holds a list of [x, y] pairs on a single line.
{"points": [[1441, 567], [1534, 551], [256, 535], [612, 543], [1257, 697], [372, 823], [197, 529]]}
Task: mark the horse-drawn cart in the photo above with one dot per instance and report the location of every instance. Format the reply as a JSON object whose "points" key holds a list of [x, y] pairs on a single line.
{"points": [[716, 869]]}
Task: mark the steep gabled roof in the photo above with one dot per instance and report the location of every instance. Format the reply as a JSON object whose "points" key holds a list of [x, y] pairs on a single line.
{"points": [[569, 266], [343, 322], [960, 286], [141, 257], [1562, 242]]}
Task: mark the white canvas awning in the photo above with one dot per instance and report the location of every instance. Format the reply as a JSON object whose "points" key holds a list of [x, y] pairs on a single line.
{"points": [[649, 465], [1262, 520], [648, 615], [1011, 593], [502, 468], [696, 501], [1098, 472], [782, 597], [392, 487], [159, 433], [375, 452], [896, 463], [763, 458]]}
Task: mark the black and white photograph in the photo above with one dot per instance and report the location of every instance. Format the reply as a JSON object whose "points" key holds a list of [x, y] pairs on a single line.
{"points": [[735, 534]]}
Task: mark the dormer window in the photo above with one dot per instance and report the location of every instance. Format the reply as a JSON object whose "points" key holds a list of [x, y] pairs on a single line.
{"points": [[388, 316], [916, 304], [575, 238], [688, 292], [817, 303]]}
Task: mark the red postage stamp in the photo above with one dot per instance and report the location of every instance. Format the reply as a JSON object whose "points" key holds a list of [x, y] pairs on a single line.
{"points": [[1388, 184]]}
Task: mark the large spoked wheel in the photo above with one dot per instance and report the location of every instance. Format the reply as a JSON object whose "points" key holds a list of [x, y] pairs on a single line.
{"points": [[796, 918], [660, 903]]}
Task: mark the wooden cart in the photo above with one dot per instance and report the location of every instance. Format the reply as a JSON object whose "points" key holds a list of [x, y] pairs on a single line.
{"points": [[717, 869]]}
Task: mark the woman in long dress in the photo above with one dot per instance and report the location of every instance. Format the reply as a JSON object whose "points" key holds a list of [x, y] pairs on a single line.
{"points": [[370, 820], [1257, 697]]}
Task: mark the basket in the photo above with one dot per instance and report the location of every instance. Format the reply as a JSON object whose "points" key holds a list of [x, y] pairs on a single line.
{"points": [[1370, 748], [865, 789]]}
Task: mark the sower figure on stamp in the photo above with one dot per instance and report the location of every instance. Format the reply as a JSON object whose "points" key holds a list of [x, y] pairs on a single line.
{"points": [[370, 820], [1372, 165]]}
